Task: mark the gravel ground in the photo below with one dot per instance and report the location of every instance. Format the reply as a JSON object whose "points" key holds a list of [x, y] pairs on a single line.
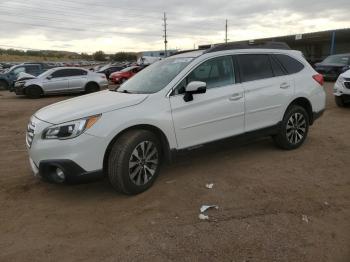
{"points": [[263, 194]]}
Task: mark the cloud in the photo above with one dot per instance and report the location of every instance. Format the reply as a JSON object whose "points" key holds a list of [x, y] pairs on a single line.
{"points": [[135, 25]]}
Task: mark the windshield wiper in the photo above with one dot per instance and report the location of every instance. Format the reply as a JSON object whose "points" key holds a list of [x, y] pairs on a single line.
{"points": [[123, 91]]}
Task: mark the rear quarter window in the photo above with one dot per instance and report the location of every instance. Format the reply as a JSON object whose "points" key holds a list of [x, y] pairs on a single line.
{"points": [[290, 64]]}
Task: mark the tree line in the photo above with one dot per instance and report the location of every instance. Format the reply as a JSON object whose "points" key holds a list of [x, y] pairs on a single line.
{"points": [[97, 56]]}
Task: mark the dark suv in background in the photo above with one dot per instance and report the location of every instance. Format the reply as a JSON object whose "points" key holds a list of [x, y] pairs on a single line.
{"points": [[333, 66], [9, 76]]}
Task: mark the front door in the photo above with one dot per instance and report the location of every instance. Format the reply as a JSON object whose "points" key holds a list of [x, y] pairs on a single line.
{"points": [[216, 114]]}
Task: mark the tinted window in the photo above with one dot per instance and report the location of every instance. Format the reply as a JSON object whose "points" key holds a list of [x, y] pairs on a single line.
{"points": [[60, 73], [68, 72], [216, 72], [276, 67], [290, 64], [32, 69], [254, 67]]}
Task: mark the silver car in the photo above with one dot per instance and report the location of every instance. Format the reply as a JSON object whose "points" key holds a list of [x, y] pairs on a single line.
{"points": [[61, 80]]}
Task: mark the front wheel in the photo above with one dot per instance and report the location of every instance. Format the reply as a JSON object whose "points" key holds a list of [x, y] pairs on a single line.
{"points": [[294, 128], [134, 161], [339, 101], [33, 92]]}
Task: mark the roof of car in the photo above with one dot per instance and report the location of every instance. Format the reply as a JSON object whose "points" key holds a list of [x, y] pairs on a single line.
{"points": [[189, 54]]}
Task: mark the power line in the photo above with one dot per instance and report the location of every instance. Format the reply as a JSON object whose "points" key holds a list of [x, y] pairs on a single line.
{"points": [[226, 39], [165, 36]]}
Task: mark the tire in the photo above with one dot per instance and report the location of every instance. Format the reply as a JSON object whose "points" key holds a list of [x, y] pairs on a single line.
{"points": [[92, 87], [339, 101], [128, 171], [3, 85], [294, 128], [33, 92]]}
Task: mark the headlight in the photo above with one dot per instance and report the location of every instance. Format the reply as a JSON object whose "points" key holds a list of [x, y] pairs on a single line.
{"points": [[71, 129], [341, 80]]}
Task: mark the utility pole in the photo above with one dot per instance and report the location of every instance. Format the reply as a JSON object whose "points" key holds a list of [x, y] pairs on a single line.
{"points": [[226, 32], [165, 36]]}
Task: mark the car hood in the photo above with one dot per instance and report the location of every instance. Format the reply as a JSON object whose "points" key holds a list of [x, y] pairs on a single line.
{"points": [[87, 105], [346, 74]]}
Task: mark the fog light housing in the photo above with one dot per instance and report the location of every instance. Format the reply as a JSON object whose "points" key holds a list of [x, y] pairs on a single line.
{"points": [[59, 176]]}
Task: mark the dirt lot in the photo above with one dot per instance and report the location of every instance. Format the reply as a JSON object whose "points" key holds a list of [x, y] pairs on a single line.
{"points": [[262, 193]]}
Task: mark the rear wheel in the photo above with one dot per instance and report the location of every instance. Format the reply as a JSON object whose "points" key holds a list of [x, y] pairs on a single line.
{"points": [[33, 92], [294, 128], [339, 101], [134, 161], [92, 87], [3, 85]]}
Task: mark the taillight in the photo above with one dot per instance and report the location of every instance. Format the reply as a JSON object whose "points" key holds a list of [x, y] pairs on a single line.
{"points": [[319, 79]]}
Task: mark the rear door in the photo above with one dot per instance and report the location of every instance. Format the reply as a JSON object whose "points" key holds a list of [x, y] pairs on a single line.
{"points": [[267, 89], [56, 82], [77, 79]]}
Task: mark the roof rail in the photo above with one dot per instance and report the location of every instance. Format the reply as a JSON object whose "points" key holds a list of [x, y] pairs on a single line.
{"points": [[184, 51], [265, 45]]}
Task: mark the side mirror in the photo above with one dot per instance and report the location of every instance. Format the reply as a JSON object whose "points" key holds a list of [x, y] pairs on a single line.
{"points": [[49, 77], [194, 87]]}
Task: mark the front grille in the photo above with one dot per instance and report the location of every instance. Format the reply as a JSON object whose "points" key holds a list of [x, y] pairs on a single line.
{"points": [[347, 85], [30, 133]]}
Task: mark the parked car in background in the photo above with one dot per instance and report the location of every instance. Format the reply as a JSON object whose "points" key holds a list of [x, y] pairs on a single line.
{"points": [[9, 76], [109, 69], [61, 80], [342, 89], [182, 102], [125, 74], [333, 66]]}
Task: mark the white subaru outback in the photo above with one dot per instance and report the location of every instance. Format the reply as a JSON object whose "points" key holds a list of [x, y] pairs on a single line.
{"points": [[181, 102], [341, 89]]}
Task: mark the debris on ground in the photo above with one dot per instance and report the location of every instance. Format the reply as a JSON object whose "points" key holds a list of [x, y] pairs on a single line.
{"points": [[209, 186], [206, 207], [305, 218], [170, 182], [326, 203], [203, 217]]}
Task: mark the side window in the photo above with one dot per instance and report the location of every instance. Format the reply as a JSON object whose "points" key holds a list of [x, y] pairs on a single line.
{"points": [[254, 67], [60, 73], [77, 72], [290, 64], [276, 67], [215, 72], [32, 69]]}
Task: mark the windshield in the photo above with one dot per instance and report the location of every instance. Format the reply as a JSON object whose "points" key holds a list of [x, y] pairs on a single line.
{"points": [[155, 77], [337, 59]]}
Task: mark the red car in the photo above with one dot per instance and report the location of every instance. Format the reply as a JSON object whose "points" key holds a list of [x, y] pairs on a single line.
{"points": [[123, 75]]}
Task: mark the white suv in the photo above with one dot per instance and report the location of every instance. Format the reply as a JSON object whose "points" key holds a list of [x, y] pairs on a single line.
{"points": [[181, 102], [342, 89]]}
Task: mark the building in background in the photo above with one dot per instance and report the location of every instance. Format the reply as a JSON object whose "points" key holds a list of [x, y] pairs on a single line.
{"points": [[160, 54], [315, 46]]}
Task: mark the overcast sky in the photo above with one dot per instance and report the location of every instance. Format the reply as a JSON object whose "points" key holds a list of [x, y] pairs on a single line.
{"points": [[135, 25]]}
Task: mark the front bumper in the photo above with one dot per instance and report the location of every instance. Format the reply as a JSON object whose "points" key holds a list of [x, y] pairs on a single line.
{"points": [[86, 152], [72, 171], [339, 89]]}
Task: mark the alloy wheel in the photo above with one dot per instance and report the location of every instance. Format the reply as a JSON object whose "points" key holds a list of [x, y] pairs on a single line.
{"points": [[296, 128], [143, 163]]}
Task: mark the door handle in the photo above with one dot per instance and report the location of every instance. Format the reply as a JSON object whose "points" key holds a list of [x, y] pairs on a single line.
{"points": [[235, 97], [284, 85]]}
